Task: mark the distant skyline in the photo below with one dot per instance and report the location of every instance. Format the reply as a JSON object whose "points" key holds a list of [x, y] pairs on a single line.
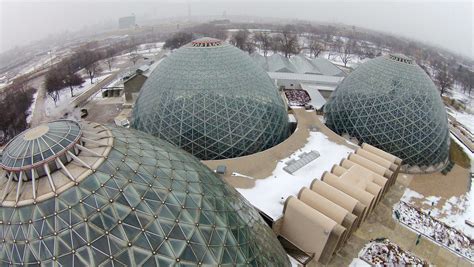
{"points": [[441, 23]]}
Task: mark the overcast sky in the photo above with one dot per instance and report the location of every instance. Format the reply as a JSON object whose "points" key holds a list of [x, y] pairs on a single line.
{"points": [[448, 24]]}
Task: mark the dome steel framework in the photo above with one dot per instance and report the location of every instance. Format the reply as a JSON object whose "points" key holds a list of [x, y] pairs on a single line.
{"points": [[212, 100], [391, 103], [120, 197]]}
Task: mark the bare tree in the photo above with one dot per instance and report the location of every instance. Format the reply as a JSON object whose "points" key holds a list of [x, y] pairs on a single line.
{"points": [[289, 41], [345, 52], [72, 80], [134, 57], [264, 41], [443, 79], [92, 70], [53, 83], [467, 81], [316, 47], [110, 59], [177, 40], [17, 97], [240, 39], [276, 43]]}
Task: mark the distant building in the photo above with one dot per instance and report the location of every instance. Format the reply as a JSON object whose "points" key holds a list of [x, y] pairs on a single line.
{"points": [[133, 84], [220, 22], [126, 22]]}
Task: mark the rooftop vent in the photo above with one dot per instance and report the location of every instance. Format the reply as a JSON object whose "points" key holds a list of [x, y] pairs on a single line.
{"points": [[206, 42]]}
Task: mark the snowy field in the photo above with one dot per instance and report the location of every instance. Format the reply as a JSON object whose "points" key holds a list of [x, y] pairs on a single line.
{"points": [[146, 50], [334, 57], [270, 194], [466, 119]]}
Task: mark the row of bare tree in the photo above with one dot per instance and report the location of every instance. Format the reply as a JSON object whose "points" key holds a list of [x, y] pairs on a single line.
{"points": [[88, 57], [287, 42], [349, 43]]}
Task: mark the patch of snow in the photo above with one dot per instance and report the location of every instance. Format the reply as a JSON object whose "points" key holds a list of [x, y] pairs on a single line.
{"points": [[409, 194], [242, 175], [293, 262], [383, 252], [63, 104], [269, 194], [423, 223], [32, 107], [431, 200], [466, 119]]}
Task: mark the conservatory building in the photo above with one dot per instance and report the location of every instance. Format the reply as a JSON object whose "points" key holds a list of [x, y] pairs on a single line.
{"points": [[212, 100], [82, 194], [391, 103]]}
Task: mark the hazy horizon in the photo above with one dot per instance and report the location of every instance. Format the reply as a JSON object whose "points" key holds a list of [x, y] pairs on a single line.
{"points": [[445, 24]]}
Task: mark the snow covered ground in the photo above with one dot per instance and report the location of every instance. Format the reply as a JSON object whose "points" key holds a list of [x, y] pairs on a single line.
{"points": [[385, 253], [146, 50], [464, 118], [270, 194], [56, 110], [422, 222], [336, 59], [32, 107], [457, 92], [456, 210]]}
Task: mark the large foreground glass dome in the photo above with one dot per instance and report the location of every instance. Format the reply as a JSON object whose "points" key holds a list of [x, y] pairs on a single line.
{"points": [[87, 195], [391, 103], [212, 100]]}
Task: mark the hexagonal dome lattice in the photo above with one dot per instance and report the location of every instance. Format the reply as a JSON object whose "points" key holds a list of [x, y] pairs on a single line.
{"points": [[391, 103], [135, 200], [212, 100]]}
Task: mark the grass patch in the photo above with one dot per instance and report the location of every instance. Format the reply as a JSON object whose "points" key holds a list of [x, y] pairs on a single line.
{"points": [[457, 155]]}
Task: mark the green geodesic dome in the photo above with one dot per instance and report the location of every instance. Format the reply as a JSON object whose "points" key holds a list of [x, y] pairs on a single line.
{"points": [[391, 103], [212, 100], [119, 197]]}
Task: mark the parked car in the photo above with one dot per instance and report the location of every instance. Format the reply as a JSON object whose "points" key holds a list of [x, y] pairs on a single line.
{"points": [[84, 112]]}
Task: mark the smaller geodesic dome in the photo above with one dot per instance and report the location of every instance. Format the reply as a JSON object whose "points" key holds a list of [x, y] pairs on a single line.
{"points": [[391, 103], [85, 194]]}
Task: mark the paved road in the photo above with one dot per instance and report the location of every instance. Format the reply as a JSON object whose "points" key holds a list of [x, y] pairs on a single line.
{"points": [[39, 111], [39, 114]]}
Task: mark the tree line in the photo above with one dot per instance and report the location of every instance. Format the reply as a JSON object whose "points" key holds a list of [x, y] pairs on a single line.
{"points": [[15, 99], [87, 57], [346, 43]]}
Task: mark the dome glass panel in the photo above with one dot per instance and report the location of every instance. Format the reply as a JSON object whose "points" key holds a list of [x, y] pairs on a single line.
{"points": [[212, 100], [391, 103]]}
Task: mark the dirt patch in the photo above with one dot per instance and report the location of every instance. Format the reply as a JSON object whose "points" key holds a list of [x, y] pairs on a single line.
{"points": [[102, 112], [455, 183]]}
